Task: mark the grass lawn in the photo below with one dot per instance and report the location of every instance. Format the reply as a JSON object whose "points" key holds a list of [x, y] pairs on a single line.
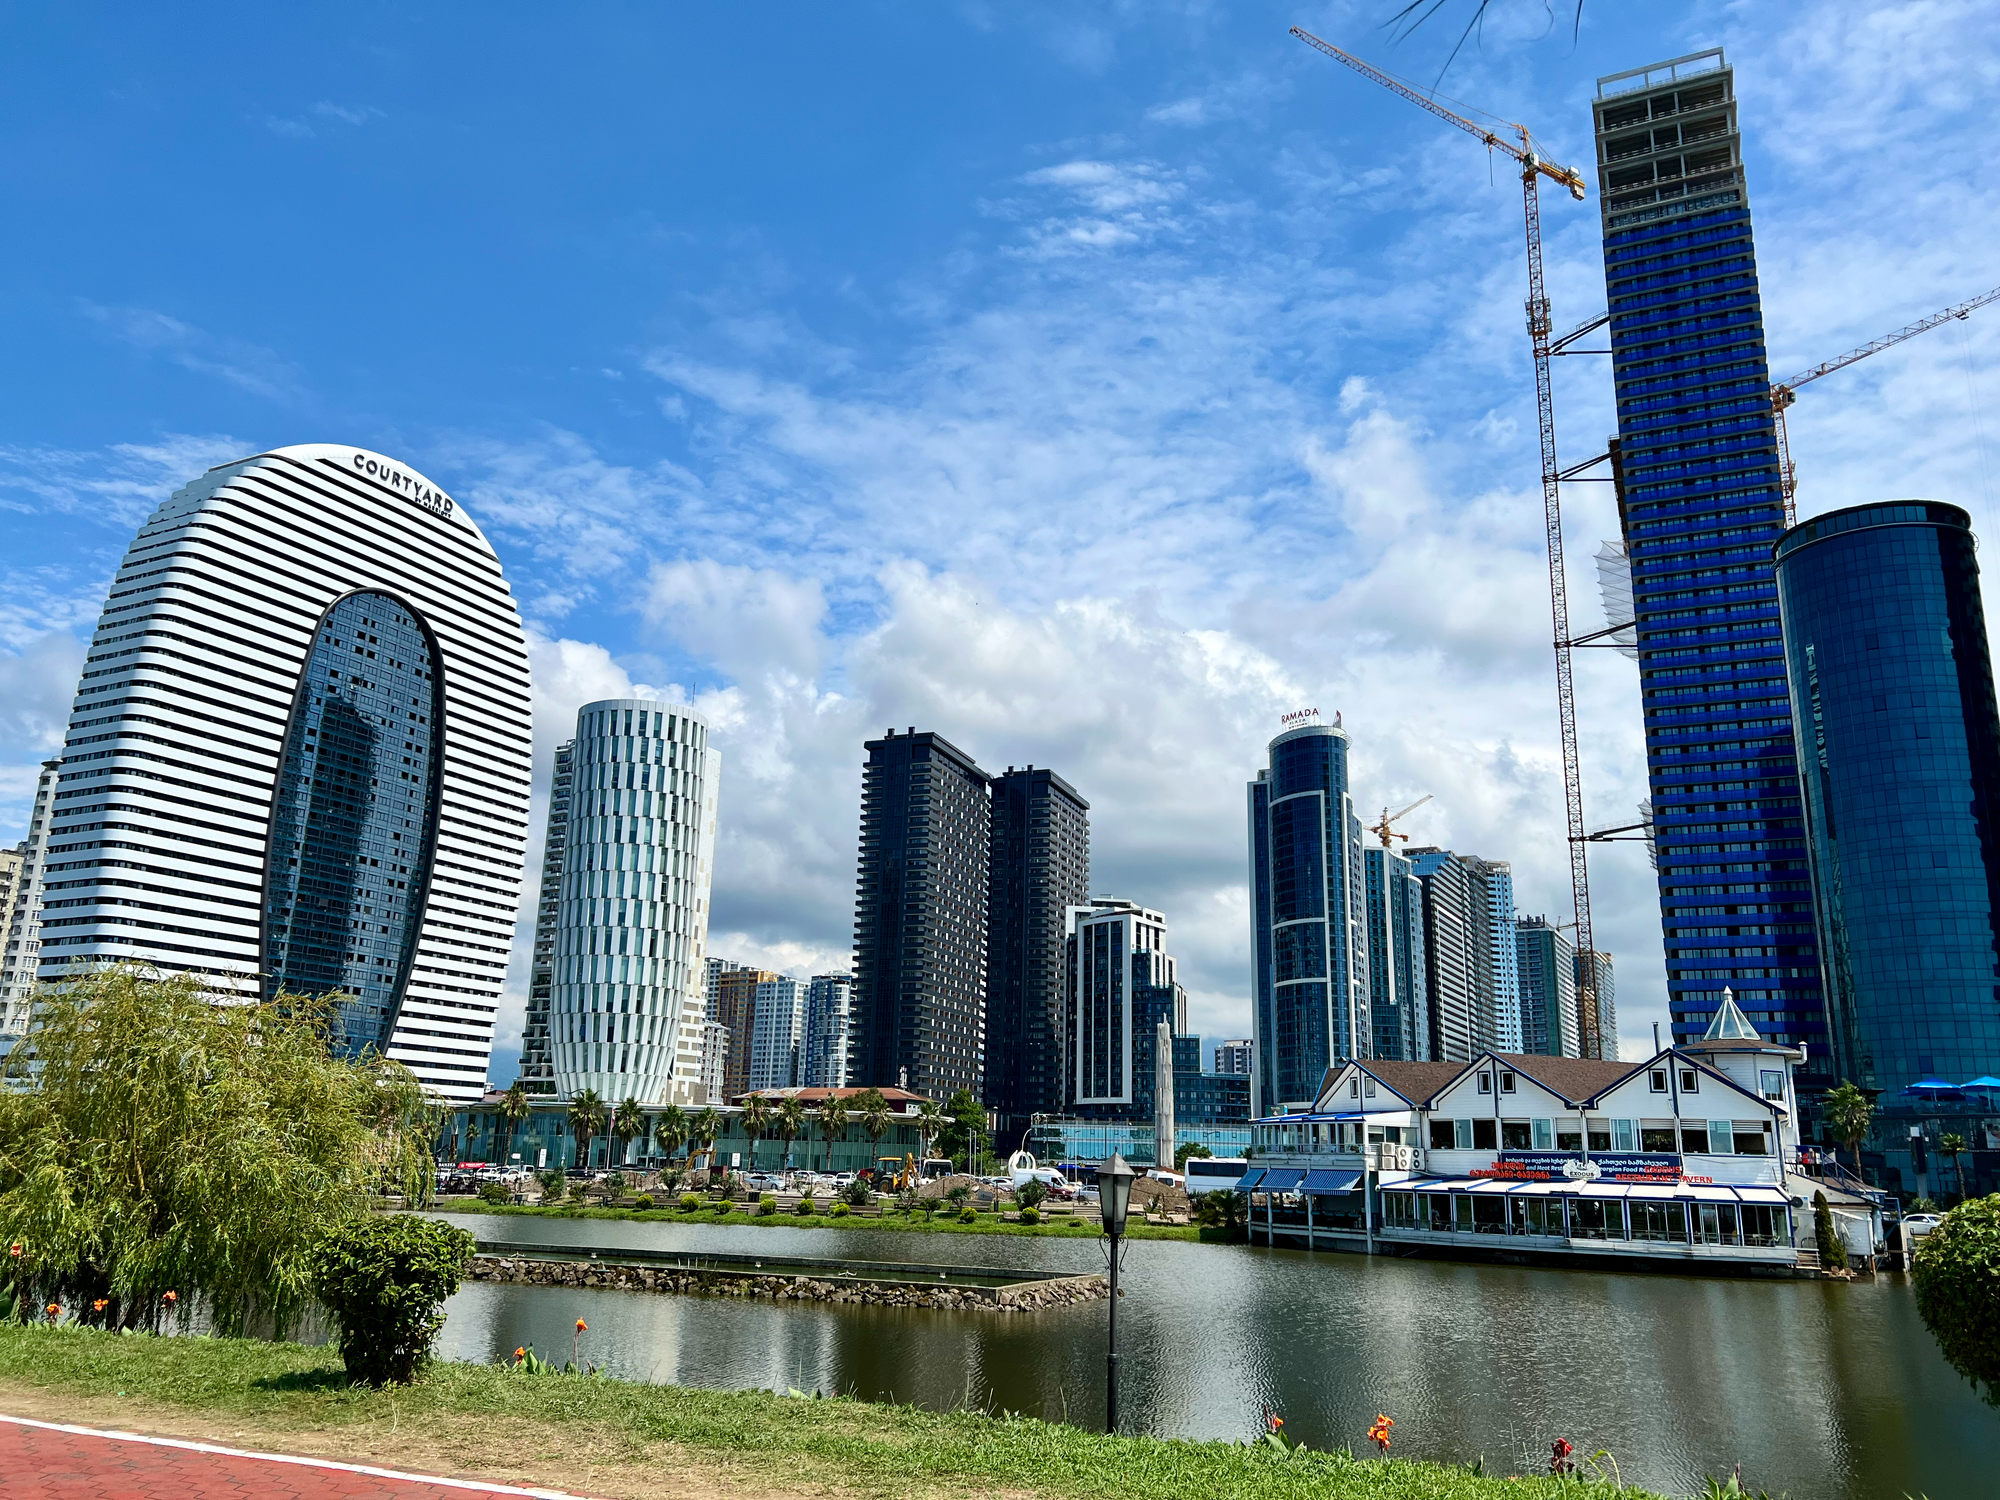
{"points": [[608, 1437], [941, 1224]]}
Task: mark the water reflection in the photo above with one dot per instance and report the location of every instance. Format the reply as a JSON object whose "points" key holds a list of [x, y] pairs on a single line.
{"points": [[1820, 1389]]}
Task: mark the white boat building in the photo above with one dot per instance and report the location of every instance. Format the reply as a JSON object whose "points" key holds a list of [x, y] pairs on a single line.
{"points": [[1689, 1158]]}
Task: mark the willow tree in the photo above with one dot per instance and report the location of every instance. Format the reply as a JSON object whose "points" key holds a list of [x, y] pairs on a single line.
{"points": [[154, 1141]]}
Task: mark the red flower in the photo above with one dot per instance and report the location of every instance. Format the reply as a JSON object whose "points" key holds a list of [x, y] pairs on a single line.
{"points": [[521, 1353], [1559, 1460], [55, 1311], [15, 1249], [99, 1305], [1273, 1420], [169, 1298], [581, 1326], [1378, 1434]]}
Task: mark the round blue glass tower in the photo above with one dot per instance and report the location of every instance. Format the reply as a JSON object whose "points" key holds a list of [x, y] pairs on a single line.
{"points": [[1899, 738]]}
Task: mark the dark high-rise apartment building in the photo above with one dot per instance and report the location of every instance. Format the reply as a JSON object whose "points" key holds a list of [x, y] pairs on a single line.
{"points": [[1892, 695], [1700, 507], [1546, 962], [1398, 1000], [1308, 918], [1038, 867], [538, 1069], [920, 918], [1469, 971]]}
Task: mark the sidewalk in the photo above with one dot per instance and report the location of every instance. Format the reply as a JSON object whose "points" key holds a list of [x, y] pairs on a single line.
{"points": [[51, 1461]]}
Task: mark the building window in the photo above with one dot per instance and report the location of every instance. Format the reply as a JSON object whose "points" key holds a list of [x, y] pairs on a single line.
{"points": [[1545, 1135], [1354, 1088], [1532, 1216], [1766, 1225], [1715, 1224], [1399, 1210], [1657, 1139], [1694, 1140], [1751, 1140], [1721, 1138], [1462, 1135], [1569, 1140], [1623, 1134], [1664, 1223], [1600, 1135], [1441, 1135], [1368, 1088], [1690, 1081], [1773, 1082], [1489, 1214], [1485, 1083], [1656, 1080], [1514, 1135], [1506, 1083], [1440, 1212], [1486, 1135], [1597, 1219], [1461, 1213]]}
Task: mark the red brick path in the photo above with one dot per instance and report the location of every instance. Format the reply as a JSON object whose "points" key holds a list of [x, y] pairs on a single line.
{"points": [[43, 1461]]}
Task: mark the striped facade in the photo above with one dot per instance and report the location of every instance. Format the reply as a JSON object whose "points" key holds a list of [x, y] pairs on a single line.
{"points": [[628, 991], [299, 757]]}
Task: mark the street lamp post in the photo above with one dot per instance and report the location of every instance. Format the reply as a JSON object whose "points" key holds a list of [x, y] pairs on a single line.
{"points": [[1114, 1195]]}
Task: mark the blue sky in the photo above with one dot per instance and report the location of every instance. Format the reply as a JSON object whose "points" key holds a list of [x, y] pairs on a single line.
{"points": [[1090, 383]]}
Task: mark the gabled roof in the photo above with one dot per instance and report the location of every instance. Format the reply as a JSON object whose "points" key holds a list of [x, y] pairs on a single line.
{"points": [[1574, 1079], [1418, 1082]]}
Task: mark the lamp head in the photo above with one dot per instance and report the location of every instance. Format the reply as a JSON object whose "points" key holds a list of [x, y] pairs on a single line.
{"points": [[1114, 1192]]}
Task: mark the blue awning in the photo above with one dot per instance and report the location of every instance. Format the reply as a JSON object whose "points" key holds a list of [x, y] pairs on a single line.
{"points": [[1249, 1180], [1318, 1181], [1283, 1180]]}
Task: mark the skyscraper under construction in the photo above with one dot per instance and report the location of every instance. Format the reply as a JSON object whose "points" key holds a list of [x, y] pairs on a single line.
{"points": [[1701, 507]]}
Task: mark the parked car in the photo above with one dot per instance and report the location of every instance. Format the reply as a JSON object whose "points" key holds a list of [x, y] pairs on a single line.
{"points": [[1921, 1224], [762, 1182]]}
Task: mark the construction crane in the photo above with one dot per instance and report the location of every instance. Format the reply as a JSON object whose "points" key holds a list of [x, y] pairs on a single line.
{"points": [[1785, 392], [1533, 169], [1383, 830]]}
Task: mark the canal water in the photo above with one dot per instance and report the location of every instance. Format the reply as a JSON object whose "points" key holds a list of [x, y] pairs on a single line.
{"points": [[1822, 1390]]}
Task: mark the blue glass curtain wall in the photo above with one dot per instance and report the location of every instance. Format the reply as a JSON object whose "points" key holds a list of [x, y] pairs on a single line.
{"points": [[355, 819]]}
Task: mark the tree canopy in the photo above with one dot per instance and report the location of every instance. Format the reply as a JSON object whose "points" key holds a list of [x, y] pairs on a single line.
{"points": [[1957, 1273], [154, 1141]]}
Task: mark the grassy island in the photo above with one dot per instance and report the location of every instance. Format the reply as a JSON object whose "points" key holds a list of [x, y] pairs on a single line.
{"points": [[616, 1438], [890, 1220]]}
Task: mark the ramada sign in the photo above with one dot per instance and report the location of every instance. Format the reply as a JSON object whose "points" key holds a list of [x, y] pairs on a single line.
{"points": [[1298, 717]]}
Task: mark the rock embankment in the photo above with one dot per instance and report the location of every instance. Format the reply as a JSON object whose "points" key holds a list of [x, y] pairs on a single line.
{"points": [[786, 1286]]}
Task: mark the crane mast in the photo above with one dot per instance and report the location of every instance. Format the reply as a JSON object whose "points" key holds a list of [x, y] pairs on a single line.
{"points": [[1533, 169]]}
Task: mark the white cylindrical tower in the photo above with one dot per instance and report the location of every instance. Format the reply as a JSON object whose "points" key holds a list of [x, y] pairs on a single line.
{"points": [[628, 979]]}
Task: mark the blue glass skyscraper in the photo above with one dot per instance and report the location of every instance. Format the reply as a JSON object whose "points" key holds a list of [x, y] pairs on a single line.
{"points": [[1892, 693], [1701, 507], [1308, 916]]}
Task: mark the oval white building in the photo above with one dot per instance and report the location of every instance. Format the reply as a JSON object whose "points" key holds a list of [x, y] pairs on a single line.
{"points": [[633, 812], [299, 756]]}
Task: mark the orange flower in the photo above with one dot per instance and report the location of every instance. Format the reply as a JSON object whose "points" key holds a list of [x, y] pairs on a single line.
{"points": [[55, 1309], [1379, 1433], [581, 1326], [99, 1305], [169, 1298], [521, 1353], [14, 1249]]}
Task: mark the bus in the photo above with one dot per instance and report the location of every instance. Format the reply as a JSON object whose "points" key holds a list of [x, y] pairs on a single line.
{"points": [[1214, 1174]]}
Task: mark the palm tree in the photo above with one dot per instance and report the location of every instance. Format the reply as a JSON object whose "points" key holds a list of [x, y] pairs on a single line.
{"points": [[514, 1109], [872, 1110], [586, 1119], [670, 1130], [628, 1122], [931, 1122], [1848, 1112], [1949, 1145], [789, 1123], [833, 1120], [756, 1120], [702, 1132]]}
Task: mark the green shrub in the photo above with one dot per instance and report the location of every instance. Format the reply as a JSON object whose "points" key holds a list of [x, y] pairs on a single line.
{"points": [[384, 1280], [967, 1214], [1832, 1250], [1957, 1273], [690, 1202], [554, 1185], [723, 1207], [805, 1208], [766, 1206], [1031, 1215], [644, 1203], [838, 1211], [857, 1194], [1031, 1193], [494, 1192]]}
